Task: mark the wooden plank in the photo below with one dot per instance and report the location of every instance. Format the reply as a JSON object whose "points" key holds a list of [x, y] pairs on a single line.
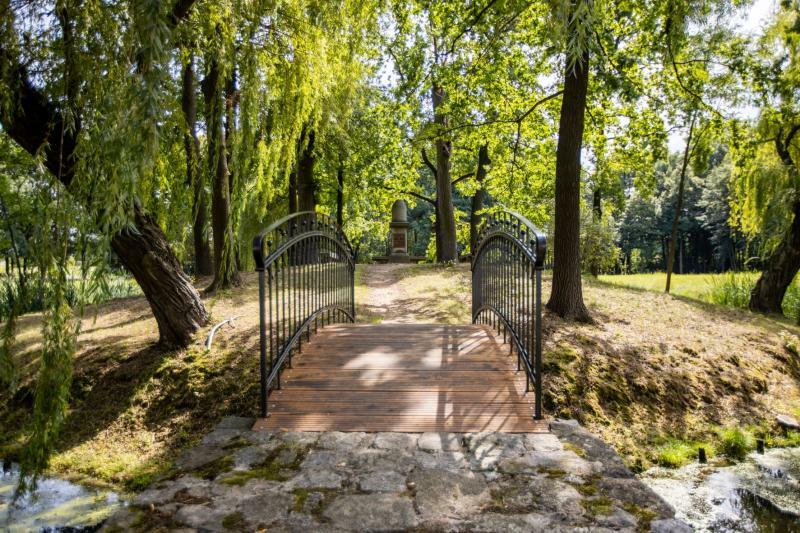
{"points": [[402, 377]]}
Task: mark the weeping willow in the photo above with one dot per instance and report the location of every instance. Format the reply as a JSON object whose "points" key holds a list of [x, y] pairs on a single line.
{"points": [[112, 71]]}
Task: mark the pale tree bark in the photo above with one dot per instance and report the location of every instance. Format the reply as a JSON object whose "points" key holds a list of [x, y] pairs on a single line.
{"points": [[687, 155], [566, 297]]}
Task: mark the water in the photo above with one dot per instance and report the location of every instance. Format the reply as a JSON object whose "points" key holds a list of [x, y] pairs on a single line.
{"points": [[57, 505], [759, 494]]}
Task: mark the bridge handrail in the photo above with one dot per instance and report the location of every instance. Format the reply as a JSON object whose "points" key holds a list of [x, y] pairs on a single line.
{"points": [[507, 289], [306, 278]]}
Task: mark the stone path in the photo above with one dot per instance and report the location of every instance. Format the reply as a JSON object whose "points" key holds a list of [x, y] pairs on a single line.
{"points": [[240, 480]]}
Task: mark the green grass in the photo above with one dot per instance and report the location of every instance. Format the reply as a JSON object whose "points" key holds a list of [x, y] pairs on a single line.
{"points": [[731, 289], [675, 453], [735, 442]]}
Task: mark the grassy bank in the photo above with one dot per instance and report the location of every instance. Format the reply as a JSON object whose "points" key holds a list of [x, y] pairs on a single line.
{"points": [[655, 375]]}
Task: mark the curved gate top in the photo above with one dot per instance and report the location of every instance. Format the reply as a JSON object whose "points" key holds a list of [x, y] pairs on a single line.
{"points": [[507, 289]]}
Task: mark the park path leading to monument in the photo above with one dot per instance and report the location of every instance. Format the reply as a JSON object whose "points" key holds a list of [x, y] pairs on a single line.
{"points": [[412, 294]]}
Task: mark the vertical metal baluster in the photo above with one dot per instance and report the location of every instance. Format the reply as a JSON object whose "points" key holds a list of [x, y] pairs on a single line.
{"points": [[307, 285], [538, 350], [262, 318]]}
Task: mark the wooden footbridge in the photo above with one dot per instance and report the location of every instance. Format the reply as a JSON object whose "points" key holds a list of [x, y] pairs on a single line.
{"points": [[320, 371]]}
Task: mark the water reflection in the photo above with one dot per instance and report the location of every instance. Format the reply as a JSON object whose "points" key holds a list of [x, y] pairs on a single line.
{"points": [[57, 505], [760, 494]]}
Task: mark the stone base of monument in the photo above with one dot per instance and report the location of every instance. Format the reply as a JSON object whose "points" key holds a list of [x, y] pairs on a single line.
{"points": [[398, 258]]}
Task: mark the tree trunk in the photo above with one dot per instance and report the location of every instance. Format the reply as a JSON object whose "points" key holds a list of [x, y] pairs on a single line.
{"points": [[779, 272], [293, 192], [172, 297], [445, 214], [566, 297], [231, 108], [33, 122], [340, 196], [679, 206], [597, 203], [194, 176], [597, 215], [478, 198], [306, 186], [783, 264], [225, 271]]}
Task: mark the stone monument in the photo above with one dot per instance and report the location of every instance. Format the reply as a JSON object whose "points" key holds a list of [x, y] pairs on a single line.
{"points": [[399, 232]]}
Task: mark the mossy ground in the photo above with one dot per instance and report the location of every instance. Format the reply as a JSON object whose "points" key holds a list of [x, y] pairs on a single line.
{"points": [[652, 367]]}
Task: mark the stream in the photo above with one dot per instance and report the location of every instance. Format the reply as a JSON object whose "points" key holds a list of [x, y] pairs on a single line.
{"points": [[762, 493], [58, 505]]}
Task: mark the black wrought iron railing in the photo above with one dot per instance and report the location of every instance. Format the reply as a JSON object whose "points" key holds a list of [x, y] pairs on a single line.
{"points": [[306, 279], [507, 290]]}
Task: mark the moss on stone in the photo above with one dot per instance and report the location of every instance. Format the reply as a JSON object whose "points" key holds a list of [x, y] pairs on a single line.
{"points": [[273, 468], [598, 506], [300, 497], [643, 516], [234, 521], [215, 468], [577, 450], [553, 473]]}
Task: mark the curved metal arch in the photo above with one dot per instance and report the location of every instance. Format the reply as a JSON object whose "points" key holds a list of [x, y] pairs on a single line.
{"points": [[506, 288], [265, 243], [514, 225]]}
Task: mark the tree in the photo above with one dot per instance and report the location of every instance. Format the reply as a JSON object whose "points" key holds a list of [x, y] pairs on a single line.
{"points": [[767, 174], [194, 176], [566, 297], [226, 273], [687, 155], [36, 122]]}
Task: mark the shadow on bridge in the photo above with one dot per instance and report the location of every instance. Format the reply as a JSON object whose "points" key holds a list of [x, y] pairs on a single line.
{"points": [[403, 377]]}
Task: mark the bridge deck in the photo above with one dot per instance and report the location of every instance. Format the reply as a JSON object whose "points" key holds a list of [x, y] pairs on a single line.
{"points": [[402, 377]]}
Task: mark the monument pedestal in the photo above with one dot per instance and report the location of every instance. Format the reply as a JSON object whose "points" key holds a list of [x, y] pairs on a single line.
{"points": [[399, 234]]}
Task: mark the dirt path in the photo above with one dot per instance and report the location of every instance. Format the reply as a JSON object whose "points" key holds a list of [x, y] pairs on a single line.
{"points": [[385, 293], [401, 293]]}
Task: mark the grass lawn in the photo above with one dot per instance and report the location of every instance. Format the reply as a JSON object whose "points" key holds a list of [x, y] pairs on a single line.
{"points": [[731, 289], [695, 286], [652, 375]]}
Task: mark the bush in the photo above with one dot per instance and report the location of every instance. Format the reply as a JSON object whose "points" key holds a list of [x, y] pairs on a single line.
{"points": [[735, 443], [599, 253], [636, 262]]}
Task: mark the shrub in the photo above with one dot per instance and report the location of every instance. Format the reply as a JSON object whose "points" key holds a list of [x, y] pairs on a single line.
{"points": [[735, 443], [599, 253], [733, 289]]}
